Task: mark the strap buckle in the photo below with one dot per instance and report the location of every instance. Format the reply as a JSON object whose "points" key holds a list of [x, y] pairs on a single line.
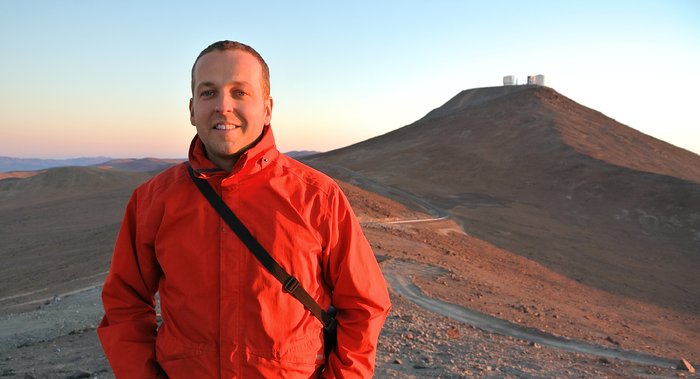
{"points": [[291, 284], [331, 325]]}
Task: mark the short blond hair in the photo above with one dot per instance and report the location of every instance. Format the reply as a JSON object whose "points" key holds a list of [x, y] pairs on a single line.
{"points": [[234, 45]]}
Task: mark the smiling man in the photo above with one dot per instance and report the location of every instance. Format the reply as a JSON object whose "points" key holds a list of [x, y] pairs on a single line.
{"points": [[223, 314], [231, 102]]}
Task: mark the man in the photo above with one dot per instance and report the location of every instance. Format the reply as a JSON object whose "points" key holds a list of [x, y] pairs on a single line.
{"points": [[223, 314]]}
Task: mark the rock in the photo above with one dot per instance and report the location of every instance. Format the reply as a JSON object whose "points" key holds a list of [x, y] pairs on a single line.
{"points": [[397, 361], [613, 341], [521, 308], [80, 374], [685, 365], [453, 332], [535, 345]]}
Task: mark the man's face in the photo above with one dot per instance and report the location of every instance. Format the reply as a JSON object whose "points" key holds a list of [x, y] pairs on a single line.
{"points": [[228, 106]]}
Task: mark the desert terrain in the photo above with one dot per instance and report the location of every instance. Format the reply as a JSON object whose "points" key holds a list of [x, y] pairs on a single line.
{"points": [[56, 337], [535, 211]]}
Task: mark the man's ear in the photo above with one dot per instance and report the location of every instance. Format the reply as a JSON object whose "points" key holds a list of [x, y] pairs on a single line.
{"points": [[268, 110], [191, 112]]}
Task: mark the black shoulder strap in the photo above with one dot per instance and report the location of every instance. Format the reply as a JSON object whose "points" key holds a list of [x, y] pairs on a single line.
{"points": [[289, 283]]}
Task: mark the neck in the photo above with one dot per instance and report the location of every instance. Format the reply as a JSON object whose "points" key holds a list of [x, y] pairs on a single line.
{"points": [[227, 163]]}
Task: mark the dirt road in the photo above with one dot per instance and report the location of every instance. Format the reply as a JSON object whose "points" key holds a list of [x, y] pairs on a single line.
{"points": [[396, 274]]}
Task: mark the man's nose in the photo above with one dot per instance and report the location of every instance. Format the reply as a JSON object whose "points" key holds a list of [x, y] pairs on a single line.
{"points": [[224, 104]]}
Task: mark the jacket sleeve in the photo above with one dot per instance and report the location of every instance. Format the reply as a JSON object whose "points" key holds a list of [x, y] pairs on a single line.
{"points": [[128, 329], [359, 294]]}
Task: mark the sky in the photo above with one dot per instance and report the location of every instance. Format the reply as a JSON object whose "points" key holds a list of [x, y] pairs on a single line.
{"points": [[112, 78]]}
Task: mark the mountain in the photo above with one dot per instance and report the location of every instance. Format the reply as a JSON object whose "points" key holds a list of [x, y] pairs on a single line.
{"points": [[29, 164], [296, 154], [535, 173], [143, 164]]}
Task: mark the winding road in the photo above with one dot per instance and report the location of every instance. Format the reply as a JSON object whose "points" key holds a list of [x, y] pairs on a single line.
{"points": [[396, 274]]}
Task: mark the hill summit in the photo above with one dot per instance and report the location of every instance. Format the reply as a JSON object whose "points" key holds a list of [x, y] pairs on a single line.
{"points": [[540, 175], [500, 125]]}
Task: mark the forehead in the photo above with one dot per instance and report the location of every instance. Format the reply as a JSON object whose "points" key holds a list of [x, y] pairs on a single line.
{"points": [[221, 66]]}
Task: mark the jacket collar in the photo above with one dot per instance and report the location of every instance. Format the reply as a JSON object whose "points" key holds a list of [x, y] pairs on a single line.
{"points": [[251, 161]]}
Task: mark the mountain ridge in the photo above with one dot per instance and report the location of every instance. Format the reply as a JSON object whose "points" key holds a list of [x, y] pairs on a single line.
{"points": [[504, 98], [31, 164], [538, 174], [139, 164]]}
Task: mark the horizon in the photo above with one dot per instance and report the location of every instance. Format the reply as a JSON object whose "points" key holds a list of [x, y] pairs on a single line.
{"points": [[121, 91], [184, 157]]}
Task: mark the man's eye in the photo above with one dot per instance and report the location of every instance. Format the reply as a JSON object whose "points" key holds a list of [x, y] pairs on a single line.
{"points": [[239, 93], [207, 93]]}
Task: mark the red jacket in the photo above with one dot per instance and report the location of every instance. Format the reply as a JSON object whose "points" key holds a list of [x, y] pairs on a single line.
{"points": [[224, 315]]}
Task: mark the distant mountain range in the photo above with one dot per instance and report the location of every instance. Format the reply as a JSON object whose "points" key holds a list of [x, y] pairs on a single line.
{"points": [[31, 164], [8, 164], [140, 165]]}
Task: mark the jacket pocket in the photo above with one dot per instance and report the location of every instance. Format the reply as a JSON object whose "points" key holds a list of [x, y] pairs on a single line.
{"points": [[297, 359], [307, 350], [180, 359]]}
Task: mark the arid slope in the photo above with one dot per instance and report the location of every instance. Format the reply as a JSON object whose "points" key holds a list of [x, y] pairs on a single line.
{"points": [[58, 228], [536, 174]]}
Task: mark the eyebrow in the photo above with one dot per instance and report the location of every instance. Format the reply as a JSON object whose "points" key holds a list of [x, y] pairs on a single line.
{"points": [[205, 84], [211, 84]]}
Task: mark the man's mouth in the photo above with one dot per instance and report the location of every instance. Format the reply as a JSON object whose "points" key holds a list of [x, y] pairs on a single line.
{"points": [[221, 126]]}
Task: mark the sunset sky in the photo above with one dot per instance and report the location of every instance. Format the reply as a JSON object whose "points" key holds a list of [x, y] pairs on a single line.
{"points": [[111, 78]]}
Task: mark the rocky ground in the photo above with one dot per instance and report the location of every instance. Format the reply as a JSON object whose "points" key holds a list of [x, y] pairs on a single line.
{"points": [[414, 344], [57, 339], [419, 344]]}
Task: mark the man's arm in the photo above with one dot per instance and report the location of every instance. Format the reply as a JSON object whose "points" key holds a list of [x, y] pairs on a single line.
{"points": [[359, 294], [128, 330]]}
